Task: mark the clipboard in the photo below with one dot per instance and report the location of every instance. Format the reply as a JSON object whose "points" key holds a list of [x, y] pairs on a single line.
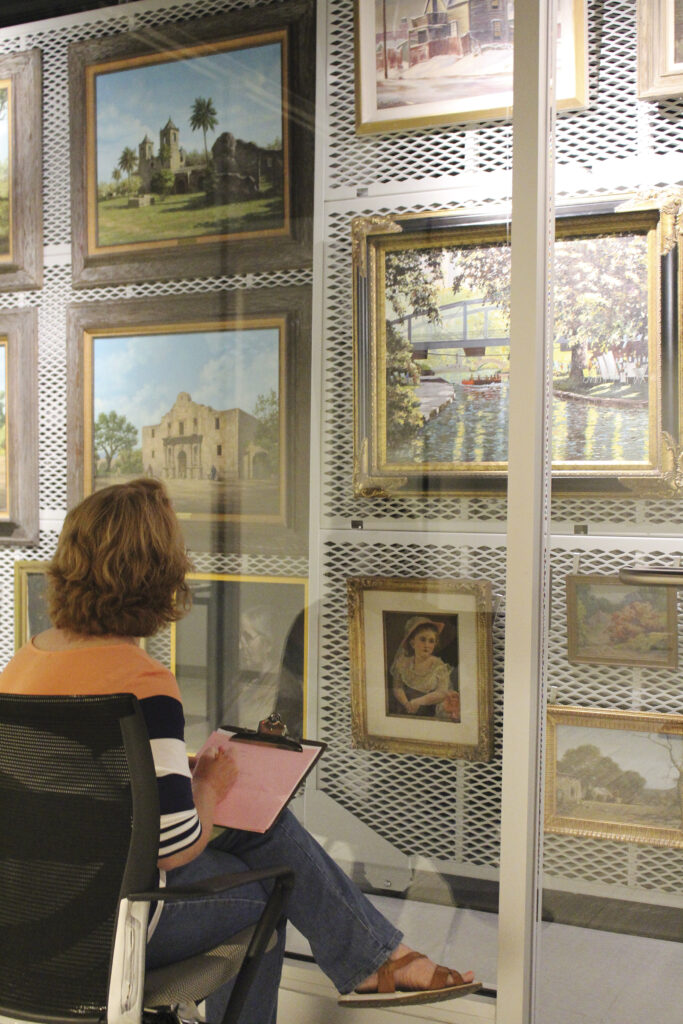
{"points": [[271, 768]]}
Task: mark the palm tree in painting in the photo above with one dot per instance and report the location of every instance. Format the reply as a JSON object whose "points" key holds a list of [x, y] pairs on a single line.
{"points": [[203, 116], [127, 161]]}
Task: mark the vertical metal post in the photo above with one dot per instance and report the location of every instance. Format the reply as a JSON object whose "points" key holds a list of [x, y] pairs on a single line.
{"points": [[528, 490]]}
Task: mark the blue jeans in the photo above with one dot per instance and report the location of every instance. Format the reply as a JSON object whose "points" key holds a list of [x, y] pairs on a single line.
{"points": [[349, 938]]}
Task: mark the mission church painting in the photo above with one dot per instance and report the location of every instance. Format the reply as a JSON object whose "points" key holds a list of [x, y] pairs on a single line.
{"points": [[196, 147], [201, 410], [195, 442], [241, 168]]}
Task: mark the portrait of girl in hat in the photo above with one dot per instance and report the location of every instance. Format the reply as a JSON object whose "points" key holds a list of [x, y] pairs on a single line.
{"points": [[422, 683]]}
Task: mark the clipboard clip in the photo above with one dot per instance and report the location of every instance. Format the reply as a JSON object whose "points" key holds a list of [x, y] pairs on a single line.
{"points": [[270, 730]]}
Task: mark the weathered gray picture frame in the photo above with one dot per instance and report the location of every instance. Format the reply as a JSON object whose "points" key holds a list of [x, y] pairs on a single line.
{"points": [[205, 253], [292, 307], [20, 329], [21, 268]]}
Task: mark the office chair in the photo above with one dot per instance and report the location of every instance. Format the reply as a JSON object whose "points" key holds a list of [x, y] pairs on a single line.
{"points": [[79, 830]]}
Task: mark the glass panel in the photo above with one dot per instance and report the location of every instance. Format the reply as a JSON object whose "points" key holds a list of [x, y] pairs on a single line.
{"points": [[612, 833]]}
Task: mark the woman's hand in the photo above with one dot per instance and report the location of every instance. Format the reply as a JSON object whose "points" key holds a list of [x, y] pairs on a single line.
{"points": [[216, 769], [212, 776], [413, 706], [451, 705]]}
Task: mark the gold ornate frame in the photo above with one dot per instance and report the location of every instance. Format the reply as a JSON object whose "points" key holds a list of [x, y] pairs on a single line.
{"points": [[372, 728], [606, 824], [654, 215]]}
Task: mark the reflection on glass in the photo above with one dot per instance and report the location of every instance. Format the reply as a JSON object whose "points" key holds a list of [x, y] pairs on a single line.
{"points": [[240, 653]]}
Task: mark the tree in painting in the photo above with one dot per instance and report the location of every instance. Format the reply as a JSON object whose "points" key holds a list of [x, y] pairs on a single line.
{"points": [[267, 433], [203, 117], [113, 434], [128, 161], [412, 279]]}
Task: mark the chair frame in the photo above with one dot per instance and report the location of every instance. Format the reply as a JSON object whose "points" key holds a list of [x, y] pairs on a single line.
{"points": [[127, 963]]}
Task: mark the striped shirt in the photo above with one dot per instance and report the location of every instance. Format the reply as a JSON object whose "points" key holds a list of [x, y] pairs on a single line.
{"points": [[122, 667]]}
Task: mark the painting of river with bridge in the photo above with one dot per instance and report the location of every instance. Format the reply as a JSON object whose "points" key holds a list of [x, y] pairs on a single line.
{"points": [[455, 383]]}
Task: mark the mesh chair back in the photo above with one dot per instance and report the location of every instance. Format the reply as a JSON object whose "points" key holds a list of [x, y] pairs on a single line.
{"points": [[79, 820]]}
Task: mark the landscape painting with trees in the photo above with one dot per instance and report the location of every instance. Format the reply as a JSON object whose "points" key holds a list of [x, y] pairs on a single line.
{"points": [[4, 170], [613, 623], [190, 144], [615, 775], [439, 343], [201, 409]]}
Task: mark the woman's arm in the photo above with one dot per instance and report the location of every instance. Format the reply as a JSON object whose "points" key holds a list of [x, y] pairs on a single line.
{"points": [[213, 775], [441, 675]]}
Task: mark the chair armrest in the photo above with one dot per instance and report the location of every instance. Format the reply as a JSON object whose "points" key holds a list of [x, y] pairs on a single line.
{"points": [[213, 886]]}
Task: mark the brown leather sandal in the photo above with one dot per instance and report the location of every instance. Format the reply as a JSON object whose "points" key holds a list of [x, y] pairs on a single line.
{"points": [[388, 995]]}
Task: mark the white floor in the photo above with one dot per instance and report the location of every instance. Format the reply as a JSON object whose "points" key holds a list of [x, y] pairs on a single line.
{"points": [[585, 976]]}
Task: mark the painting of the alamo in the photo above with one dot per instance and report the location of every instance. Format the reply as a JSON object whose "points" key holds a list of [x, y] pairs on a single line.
{"points": [[194, 442]]}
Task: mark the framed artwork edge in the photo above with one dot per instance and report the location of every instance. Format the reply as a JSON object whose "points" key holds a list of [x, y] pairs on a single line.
{"points": [[24, 269], [372, 235], [655, 81], [366, 124], [20, 327], [362, 738], [22, 570], [293, 304], [184, 257], [638, 721]]}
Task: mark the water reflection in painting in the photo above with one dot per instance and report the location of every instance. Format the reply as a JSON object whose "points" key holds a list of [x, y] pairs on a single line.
{"points": [[448, 353]]}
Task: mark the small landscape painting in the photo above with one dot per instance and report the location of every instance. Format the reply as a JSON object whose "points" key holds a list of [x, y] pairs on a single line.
{"points": [[614, 623], [200, 409], [189, 144], [616, 775], [445, 355], [4, 169]]}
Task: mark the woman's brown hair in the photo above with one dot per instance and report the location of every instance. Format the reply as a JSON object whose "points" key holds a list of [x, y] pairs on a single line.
{"points": [[120, 563]]}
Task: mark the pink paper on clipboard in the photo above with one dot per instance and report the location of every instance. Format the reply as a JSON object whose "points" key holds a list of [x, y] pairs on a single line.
{"points": [[268, 777]]}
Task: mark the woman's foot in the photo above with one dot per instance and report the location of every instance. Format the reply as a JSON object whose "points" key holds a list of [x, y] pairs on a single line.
{"points": [[416, 975]]}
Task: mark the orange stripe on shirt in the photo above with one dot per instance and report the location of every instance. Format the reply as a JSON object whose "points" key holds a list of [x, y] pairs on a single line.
{"points": [[110, 668]]}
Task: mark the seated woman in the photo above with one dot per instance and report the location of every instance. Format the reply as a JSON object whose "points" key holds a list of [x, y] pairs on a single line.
{"points": [[119, 573]]}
